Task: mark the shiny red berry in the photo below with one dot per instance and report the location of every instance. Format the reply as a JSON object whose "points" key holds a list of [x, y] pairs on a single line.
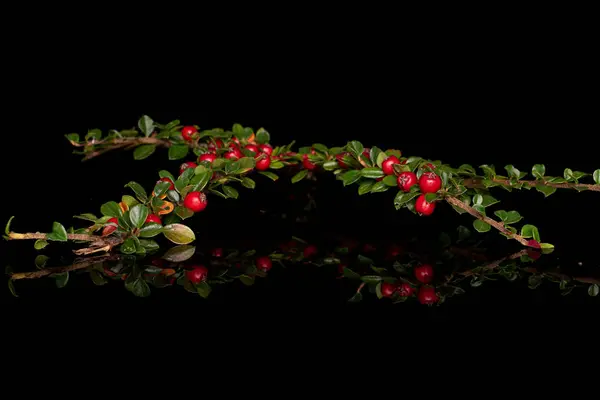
{"points": [[266, 148], [310, 251], [187, 165], [187, 132], [218, 143], [406, 180], [307, 164], [534, 243], [153, 219], [424, 273], [208, 157], [264, 263], [197, 274], [340, 159], [108, 229], [234, 154], [367, 153], [387, 289], [388, 165], [252, 148], [423, 207], [263, 163], [405, 290], [427, 295], [430, 182], [217, 252], [165, 179], [195, 201]]}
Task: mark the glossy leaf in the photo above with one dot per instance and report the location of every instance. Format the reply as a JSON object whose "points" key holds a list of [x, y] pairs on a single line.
{"points": [[379, 187], [390, 180], [594, 290], [262, 136], [183, 212], [166, 174], [568, 174], [372, 173], [513, 172], [356, 148], [201, 179], [111, 209], [300, 176], [330, 165], [140, 288], [40, 244], [530, 231], [11, 287], [138, 215], [128, 246], [371, 278], [481, 226], [150, 230], [231, 191], [320, 147], [41, 260], [161, 188], [203, 289], [248, 183], [272, 176], [138, 190], [538, 170], [148, 244], [130, 201], [146, 125], [178, 151], [180, 253], [596, 176], [179, 234], [348, 273], [58, 234], [144, 151], [87, 217], [351, 177], [61, 279], [365, 187], [402, 198], [513, 217], [547, 190]]}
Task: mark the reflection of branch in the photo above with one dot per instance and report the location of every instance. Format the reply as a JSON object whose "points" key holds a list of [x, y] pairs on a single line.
{"points": [[76, 266], [98, 243], [462, 205], [582, 279], [478, 183]]}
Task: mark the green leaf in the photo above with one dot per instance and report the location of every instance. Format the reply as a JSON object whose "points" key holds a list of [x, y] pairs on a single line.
{"points": [[380, 187], [374, 154], [512, 172], [87, 217], [246, 164], [95, 134], [372, 173], [477, 199], [128, 246], [248, 183], [201, 179], [41, 260], [430, 197], [150, 230], [277, 165], [463, 232], [203, 289], [381, 158], [534, 281], [138, 215], [489, 170], [173, 196], [179, 234], [140, 288], [530, 231], [61, 279], [97, 278], [348, 273], [378, 290], [330, 165], [597, 176], [320, 147], [479, 208], [512, 217], [183, 212], [488, 200], [351, 177], [11, 287], [270, 175], [161, 188], [40, 244], [73, 137], [149, 245], [299, 176], [466, 168], [146, 125], [357, 298], [144, 151], [180, 253], [130, 201], [231, 192], [138, 190], [402, 198], [365, 187], [111, 209], [568, 174], [390, 181], [58, 234], [481, 226], [356, 148], [262, 136], [364, 260], [594, 290], [166, 174], [371, 278], [178, 151], [547, 190], [538, 170], [7, 228]]}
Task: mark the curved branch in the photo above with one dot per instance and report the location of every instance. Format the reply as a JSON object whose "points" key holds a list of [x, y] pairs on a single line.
{"points": [[478, 183], [75, 266], [119, 143], [98, 243]]}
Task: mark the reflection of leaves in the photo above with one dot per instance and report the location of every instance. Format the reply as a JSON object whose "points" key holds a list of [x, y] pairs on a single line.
{"points": [[180, 253], [11, 287], [356, 298], [534, 281]]}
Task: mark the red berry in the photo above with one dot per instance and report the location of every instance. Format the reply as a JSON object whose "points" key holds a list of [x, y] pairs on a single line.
{"points": [[264, 163], [340, 159], [264, 263], [187, 165], [306, 163], [165, 179], [218, 252], [265, 148], [388, 165], [234, 153], [153, 219], [394, 250], [209, 157], [387, 289], [235, 140], [216, 145], [108, 229], [367, 153], [368, 248], [310, 251], [423, 207], [534, 243], [197, 274], [405, 290], [253, 148], [424, 273], [430, 182], [195, 201], [187, 132], [406, 180], [427, 295]]}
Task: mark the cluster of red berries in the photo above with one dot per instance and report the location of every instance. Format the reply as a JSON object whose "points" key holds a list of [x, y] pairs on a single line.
{"points": [[425, 295], [199, 274], [113, 223]]}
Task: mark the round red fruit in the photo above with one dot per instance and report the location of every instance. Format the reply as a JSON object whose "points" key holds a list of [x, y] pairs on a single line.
{"points": [[263, 163], [165, 179], [197, 274], [108, 229], [265, 148], [388, 165], [427, 295], [423, 207], [236, 140], [216, 145], [153, 219], [217, 252], [252, 148], [264, 263], [209, 157], [430, 182], [307, 164], [406, 180], [405, 290], [387, 289], [310, 251], [424, 273], [340, 159], [187, 165], [195, 201], [367, 153], [187, 132]]}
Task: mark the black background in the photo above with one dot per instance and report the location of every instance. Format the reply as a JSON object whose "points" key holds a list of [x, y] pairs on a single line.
{"points": [[501, 100]]}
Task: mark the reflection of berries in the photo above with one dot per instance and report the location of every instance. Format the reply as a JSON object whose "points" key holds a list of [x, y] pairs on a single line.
{"points": [[427, 295], [406, 180], [423, 207], [310, 251], [430, 182], [264, 263], [387, 289], [195, 201], [218, 252], [534, 243], [405, 290], [187, 133], [388, 165], [197, 274], [424, 273]]}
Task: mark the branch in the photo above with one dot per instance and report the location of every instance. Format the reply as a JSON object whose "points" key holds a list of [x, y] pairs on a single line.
{"points": [[118, 143], [75, 266], [478, 183], [464, 206], [98, 243]]}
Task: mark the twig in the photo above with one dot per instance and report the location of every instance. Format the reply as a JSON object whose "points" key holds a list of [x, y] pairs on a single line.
{"points": [[464, 206], [98, 243], [75, 266], [114, 144], [494, 264], [478, 183]]}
